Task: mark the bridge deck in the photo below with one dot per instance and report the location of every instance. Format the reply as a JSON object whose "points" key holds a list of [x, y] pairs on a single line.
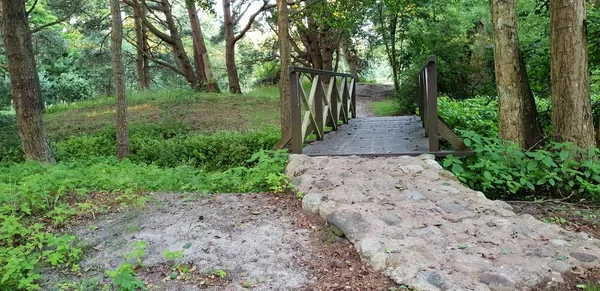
{"points": [[378, 136]]}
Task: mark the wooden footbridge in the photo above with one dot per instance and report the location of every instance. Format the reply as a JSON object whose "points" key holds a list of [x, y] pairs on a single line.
{"points": [[324, 121]]}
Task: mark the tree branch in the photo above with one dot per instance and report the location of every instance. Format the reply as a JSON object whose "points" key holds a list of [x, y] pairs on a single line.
{"points": [[32, 7], [265, 7], [152, 58], [165, 37]]}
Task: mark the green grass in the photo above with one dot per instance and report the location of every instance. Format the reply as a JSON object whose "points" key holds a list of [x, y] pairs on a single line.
{"points": [[388, 107], [200, 112]]}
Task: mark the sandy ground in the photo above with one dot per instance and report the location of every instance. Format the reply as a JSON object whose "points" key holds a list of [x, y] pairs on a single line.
{"points": [[366, 93], [254, 241]]}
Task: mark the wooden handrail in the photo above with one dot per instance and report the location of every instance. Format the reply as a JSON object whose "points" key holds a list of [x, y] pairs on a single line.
{"points": [[428, 102], [320, 108], [428, 109]]}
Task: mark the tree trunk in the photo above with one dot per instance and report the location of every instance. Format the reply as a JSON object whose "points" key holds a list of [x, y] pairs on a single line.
{"points": [[518, 120], [27, 94], [202, 61], [141, 39], [232, 73], [178, 48], [116, 43], [349, 56], [285, 55], [571, 105]]}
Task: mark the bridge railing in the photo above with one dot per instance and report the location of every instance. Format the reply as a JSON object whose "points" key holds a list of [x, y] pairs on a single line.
{"points": [[434, 125], [332, 98]]}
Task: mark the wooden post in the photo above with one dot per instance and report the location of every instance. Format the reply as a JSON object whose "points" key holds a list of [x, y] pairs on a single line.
{"points": [[318, 104], [333, 102], [297, 138], [432, 114], [353, 95], [344, 95]]}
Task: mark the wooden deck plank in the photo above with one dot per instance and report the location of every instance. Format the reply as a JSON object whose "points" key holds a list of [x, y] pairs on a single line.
{"points": [[400, 135]]}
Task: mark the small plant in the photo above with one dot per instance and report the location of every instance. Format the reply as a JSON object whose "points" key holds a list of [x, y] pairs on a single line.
{"points": [[124, 277], [173, 255]]}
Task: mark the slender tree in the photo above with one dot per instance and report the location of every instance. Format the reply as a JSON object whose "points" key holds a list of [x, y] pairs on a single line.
{"points": [[141, 40], [119, 79], [231, 38], [571, 105], [27, 94], [518, 119], [201, 60], [283, 24]]}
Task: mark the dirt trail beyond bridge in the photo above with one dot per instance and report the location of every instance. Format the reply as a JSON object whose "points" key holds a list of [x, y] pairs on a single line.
{"points": [[414, 220]]}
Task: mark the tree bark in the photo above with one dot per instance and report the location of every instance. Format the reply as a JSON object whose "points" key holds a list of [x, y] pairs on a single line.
{"points": [[201, 59], [571, 105], [116, 43], [141, 38], [518, 119], [27, 94], [285, 102], [349, 56], [232, 72]]}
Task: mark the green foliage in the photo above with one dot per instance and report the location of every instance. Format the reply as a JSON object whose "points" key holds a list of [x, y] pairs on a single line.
{"points": [[388, 107], [267, 73], [124, 277], [173, 255], [70, 87], [479, 115], [218, 151], [10, 142], [500, 169], [24, 249]]}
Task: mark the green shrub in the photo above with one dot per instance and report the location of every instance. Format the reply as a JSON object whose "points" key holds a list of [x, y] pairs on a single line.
{"points": [[10, 142], [70, 87], [390, 107], [502, 169], [218, 151], [267, 73], [478, 114]]}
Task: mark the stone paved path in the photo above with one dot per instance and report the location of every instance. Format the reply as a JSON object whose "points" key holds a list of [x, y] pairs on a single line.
{"points": [[414, 220]]}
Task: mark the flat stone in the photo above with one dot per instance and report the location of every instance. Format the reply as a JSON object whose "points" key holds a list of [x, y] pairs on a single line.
{"points": [[432, 164], [437, 280], [350, 222], [373, 251], [496, 282], [498, 222], [413, 195], [583, 236], [446, 190], [324, 184], [426, 157], [560, 266], [560, 243], [390, 218], [583, 257], [452, 207], [447, 175], [428, 231], [412, 169], [312, 201], [503, 205]]}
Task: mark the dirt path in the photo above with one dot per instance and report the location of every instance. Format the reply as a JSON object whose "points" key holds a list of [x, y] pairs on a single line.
{"points": [[366, 93], [228, 242]]}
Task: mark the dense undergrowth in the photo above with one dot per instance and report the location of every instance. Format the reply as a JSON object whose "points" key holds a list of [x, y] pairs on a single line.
{"points": [[503, 170], [185, 151]]}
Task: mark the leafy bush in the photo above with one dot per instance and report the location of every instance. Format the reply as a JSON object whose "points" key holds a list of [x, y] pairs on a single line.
{"points": [[218, 151], [478, 114], [267, 73], [500, 169], [71, 87], [10, 142]]}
